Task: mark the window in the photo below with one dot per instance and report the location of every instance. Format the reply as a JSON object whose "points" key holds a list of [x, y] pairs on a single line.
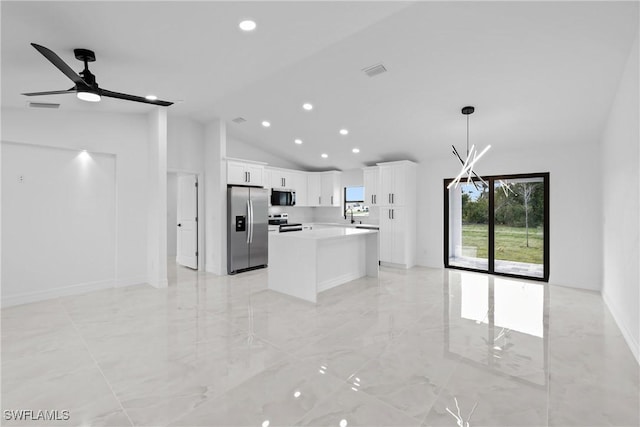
{"points": [[354, 202], [500, 229]]}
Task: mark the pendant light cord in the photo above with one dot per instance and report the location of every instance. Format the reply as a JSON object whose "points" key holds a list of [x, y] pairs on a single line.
{"points": [[467, 136]]}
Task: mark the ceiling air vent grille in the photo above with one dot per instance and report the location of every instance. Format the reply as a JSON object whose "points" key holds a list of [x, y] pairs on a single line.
{"points": [[239, 120], [374, 70], [42, 105]]}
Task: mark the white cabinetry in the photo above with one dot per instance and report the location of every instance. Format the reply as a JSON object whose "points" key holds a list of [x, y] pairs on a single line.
{"points": [[245, 173], [281, 179], [397, 182], [299, 181], [330, 189], [397, 201], [371, 177], [314, 189], [323, 189]]}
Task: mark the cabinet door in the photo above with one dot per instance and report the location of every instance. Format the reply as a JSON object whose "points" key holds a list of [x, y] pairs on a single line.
{"points": [[386, 185], [299, 184], [254, 172], [398, 238], [385, 234], [313, 190], [370, 186], [330, 189], [398, 190], [236, 173]]}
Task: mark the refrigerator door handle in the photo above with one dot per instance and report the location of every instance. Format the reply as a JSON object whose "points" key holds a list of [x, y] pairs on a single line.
{"points": [[251, 224], [248, 222]]}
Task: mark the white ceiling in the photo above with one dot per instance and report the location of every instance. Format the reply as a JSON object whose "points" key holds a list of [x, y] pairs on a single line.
{"points": [[538, 73]]}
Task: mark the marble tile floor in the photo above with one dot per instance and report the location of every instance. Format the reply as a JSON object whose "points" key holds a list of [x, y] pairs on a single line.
{"points": [[418, 347]]}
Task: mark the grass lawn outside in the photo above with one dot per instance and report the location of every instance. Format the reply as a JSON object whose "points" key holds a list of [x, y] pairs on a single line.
{"points": [[511, 243]]}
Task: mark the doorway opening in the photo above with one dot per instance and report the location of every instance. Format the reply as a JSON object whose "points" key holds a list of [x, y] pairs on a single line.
{"points": [[501, 228], [182, 220]]}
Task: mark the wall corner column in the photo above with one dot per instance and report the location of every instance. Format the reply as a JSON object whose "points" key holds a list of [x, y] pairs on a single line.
{"points": [[157, 199], [215, 190]]}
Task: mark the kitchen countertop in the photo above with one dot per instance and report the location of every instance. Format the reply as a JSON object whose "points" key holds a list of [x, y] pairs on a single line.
{"points": [[325, 233], [342, 224]]}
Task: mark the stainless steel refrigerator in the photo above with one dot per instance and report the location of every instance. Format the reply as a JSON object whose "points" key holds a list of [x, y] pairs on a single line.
{"points": [[247, 228]]}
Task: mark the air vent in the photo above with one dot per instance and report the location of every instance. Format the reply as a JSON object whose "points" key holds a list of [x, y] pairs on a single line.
{"points": [[374, 70], [239, 120], [42, 105]]}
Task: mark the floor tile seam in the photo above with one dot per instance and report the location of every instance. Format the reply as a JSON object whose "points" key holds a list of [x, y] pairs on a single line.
{"points": [[98, 367], [442, 390]]}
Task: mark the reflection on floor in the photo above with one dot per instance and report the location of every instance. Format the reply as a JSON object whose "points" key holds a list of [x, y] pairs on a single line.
{"points": [[419, 347], [501, 266]]}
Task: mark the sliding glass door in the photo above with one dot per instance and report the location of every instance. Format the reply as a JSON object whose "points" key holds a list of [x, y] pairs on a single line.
{"points": [[500, 226]]}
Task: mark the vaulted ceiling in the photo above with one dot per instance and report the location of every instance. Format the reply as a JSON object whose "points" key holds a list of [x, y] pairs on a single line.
{"points": [[538, 73]]}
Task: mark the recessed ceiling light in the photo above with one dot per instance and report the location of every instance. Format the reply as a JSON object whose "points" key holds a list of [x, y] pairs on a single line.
{"points": [[356, 150], [247, 25], [324, 155], [307, 106], [298, 141], [151, 97], [266, 124], [344, 132]]}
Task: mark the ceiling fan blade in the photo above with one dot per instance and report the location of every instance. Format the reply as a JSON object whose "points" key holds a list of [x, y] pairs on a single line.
{"points": [[135, 98], [59, 64], [52, 92]]}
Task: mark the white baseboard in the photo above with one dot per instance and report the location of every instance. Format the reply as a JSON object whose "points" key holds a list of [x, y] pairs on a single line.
{"points": [[336, 281], [130, 281], [81, 288], [632, 342]]}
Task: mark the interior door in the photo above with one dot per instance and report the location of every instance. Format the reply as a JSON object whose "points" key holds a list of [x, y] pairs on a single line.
{"points": [[187, 251]]}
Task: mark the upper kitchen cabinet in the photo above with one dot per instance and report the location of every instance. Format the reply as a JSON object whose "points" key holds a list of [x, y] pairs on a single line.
{"points": [[281, 178], [299, 181], [371, 177], [330, 189], [323, 189], [244, 172], [397, 183]]}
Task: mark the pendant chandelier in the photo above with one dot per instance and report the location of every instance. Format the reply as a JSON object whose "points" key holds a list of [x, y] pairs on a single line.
{"points": [[472, 158]]}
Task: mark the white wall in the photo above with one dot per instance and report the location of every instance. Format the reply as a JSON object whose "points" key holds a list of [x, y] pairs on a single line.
{"points": [[172, 214], [123, 135], [185, 145], [59, 221], [239, 149], [575, 207], [620, 159]]}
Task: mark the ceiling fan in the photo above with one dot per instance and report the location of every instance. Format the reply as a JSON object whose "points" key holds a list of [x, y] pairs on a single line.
{"points": [[86, 88]]}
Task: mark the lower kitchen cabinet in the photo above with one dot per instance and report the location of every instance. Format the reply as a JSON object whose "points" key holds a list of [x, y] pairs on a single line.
{"points": [[397, 237]]}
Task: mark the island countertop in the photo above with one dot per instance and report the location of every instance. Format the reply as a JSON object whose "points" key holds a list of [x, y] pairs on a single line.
{"points": [[323, 233]]}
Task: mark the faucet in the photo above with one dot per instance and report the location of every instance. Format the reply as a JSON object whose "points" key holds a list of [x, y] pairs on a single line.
{"points": [[345, 216]]}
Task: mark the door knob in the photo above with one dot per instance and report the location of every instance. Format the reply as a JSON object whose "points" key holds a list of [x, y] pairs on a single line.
{"points": [[179, 225]]}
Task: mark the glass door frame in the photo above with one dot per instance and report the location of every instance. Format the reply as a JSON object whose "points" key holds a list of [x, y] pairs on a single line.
{"points": [[491, 180]]}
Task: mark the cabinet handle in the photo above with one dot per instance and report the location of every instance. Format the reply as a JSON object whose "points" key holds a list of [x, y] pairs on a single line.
{"points": [[389, 198], [375, 198], [393, 198], [332, 200], [372, 199], [319, 200], [245, 177], [389, 213], [393, 214], [249, 173]]}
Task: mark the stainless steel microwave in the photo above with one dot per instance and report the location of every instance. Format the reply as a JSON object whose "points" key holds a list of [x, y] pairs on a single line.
{"points": [[283, 197]]}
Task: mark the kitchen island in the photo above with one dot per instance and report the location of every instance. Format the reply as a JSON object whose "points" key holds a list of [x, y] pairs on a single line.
{"points": [[304, 263]]}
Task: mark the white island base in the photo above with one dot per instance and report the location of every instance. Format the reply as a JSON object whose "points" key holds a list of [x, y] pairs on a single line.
{"points": [[304, 263]]}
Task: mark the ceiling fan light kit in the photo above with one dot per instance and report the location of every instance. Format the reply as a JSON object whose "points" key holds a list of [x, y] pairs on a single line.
{"points": [[86, 88]]}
